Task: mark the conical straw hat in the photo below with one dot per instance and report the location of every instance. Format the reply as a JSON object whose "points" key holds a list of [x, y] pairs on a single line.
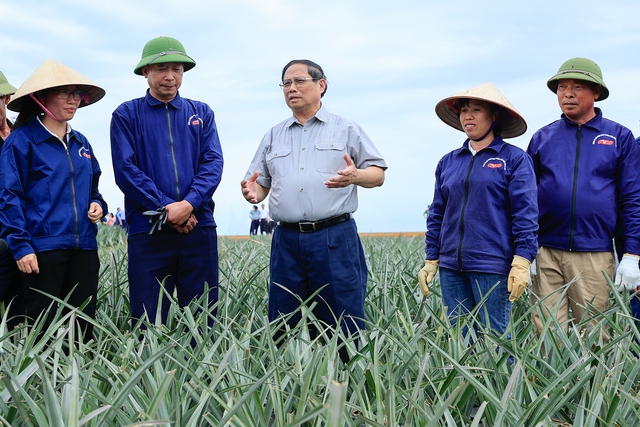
{"points": [[512, 122], [52, 74]]}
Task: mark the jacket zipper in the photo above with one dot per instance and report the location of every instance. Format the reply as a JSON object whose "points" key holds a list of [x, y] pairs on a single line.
{"points": [[575, 189], [464, 208], [173, 153], [73, 194]]}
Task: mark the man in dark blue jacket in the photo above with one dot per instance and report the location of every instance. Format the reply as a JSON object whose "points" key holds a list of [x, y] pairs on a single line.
{"points": [[587, 171], [9, 273], [167, 158]]}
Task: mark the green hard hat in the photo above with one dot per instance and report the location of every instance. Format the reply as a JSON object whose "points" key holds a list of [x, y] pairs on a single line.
{"points": [[580, 69], [164, 49], [5, 87]]}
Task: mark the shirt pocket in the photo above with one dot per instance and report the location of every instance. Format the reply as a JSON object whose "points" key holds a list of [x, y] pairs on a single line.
{"points": [[330, 157], [279, 162]]}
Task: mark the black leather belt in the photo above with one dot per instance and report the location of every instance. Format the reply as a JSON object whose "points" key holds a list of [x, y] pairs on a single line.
{"points": [[309, 226]]}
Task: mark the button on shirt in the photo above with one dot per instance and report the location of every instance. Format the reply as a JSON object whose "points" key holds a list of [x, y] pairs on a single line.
{"points": [[296, 160]]}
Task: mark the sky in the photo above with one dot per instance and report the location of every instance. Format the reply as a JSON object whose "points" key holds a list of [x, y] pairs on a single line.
{"points": [[388, 63]]}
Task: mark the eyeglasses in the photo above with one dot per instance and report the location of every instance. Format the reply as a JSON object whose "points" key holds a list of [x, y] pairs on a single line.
{"points": [[65, 94], [298, 80]]}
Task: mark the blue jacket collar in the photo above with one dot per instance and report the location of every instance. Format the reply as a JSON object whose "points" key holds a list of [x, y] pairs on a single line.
{"points": [[595, 122], [154, 102], [41, 134], [496, 145]]}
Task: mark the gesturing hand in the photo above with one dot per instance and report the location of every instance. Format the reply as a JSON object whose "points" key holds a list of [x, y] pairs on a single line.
{"points": [[346, 176], [250, 189]]}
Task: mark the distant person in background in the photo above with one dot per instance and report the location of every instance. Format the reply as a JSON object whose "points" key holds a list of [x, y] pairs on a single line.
{"points": [[254, 215], [264, 220], [9, 273], [49, 193], [167, 158], [481, 228], [312, 164], [111, 219], [121, 220], [587, 170]]}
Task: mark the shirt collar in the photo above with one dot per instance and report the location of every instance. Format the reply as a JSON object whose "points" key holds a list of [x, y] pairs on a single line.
{"points": [[322, 114]]}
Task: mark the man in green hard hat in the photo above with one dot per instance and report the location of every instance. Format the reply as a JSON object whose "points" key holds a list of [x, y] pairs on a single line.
{"points": [[586, 169], [168, 162], [6, 90], [9, 273]]}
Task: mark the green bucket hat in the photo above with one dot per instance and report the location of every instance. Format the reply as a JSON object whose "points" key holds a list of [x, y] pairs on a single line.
{"points": [[580, 69], [164, 49], [5, 87]]}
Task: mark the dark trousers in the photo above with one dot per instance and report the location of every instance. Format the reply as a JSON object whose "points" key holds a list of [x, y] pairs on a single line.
{"points": [[63, 273], [181, 262], [10, 289], [255, 223], [264, 226], [303, 263]]}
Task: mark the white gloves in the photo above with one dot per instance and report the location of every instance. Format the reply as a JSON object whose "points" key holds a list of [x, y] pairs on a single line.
{"points": [[628, 273]]}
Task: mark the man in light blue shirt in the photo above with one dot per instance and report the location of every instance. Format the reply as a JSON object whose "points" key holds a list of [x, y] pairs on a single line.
{"points": [[311, 165]]}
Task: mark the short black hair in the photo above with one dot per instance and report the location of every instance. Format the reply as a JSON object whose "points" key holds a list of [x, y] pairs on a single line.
{"points": [[313, 69]]}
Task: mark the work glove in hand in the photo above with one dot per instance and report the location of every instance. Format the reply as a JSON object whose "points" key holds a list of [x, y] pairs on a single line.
{"points": [[532, 268], [518, 277], [426, 274], [628, 273]]}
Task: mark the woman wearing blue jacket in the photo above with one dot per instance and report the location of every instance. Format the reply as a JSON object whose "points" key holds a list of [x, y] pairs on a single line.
{"points": [[49, 201], [482, 224]]}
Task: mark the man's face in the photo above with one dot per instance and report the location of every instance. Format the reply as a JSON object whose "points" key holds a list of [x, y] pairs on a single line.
{"points": [[576, 99], [164, 79], [3, 106], [302, 96]]}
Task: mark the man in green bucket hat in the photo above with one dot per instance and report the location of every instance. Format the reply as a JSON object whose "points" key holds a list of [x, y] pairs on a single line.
{"points": [[586, 169], [168, 162]]}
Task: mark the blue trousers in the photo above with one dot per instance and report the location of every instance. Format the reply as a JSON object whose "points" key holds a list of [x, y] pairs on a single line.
{"points": [[635, 307], [185, 262], [331, 259], [462, 291]]}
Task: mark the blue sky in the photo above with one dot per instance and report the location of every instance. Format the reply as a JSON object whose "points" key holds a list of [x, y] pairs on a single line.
{"points": [[388, 64]]}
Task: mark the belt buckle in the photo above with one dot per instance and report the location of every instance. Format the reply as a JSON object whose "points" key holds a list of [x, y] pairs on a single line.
{"points": [[302, 226]]}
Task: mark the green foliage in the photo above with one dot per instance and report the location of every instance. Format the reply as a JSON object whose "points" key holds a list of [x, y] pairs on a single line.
{"points": [[409, 368]]}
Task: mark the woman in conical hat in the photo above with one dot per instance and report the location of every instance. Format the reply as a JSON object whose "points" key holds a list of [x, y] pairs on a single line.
{"points": [[49, 192], [482, 224]]}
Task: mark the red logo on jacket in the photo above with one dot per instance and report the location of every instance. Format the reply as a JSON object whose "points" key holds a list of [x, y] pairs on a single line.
{"points": [[84, 152], [605, 139], [195, 121], [495, 163], [605, 142]]}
